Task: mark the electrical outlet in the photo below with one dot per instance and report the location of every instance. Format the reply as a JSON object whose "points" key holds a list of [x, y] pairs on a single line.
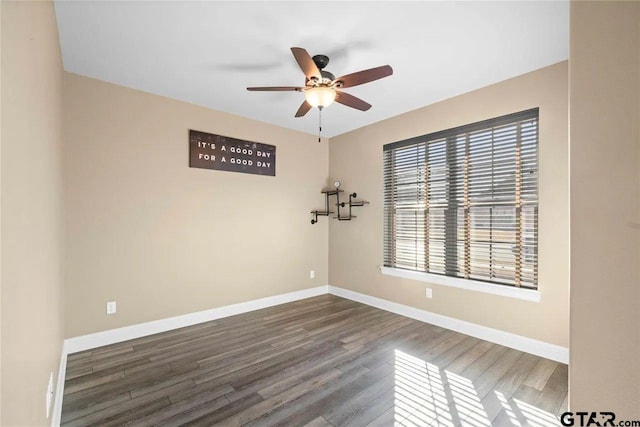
{"points": [[111, 307], [312, 274], [428, 293], [49, 396]]}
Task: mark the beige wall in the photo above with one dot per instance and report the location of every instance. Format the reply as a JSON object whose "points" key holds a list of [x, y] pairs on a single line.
{"points": [[356, 246], [605, 208], [162, 239], [0, 215], [32, 210]]}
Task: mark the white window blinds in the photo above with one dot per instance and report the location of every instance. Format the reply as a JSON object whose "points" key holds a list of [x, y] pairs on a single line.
{"points": [[464, 202]]}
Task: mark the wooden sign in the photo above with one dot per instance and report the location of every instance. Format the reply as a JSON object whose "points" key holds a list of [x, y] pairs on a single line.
{"points": [[210, 151]]}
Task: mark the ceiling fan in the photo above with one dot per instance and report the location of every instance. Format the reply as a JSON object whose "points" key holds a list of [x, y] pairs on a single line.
{"points": [[321, 87]]}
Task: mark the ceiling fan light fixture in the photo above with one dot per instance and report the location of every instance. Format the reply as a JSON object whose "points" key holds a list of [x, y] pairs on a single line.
{"points": [[320, 96], [321, 87]]}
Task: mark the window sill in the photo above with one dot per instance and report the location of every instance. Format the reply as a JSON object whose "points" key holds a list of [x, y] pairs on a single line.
{"points": [[472, 285]]}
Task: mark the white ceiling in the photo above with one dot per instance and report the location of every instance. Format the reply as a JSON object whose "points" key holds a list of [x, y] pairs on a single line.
{"points": [[207, 53]]}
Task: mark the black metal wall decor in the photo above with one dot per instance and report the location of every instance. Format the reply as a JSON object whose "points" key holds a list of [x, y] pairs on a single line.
{"points": [[341, 216], [210, 151]]}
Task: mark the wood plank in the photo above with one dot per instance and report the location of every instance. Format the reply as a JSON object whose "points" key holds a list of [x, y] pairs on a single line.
{"points": [[205, 415], [85, 398], [267, 406], [464, 360], [555, 390], [564, 407], [308, 406], [70, 414], [286, 380], [374, 412], [75, 385], [365, 406], [318, 422], [181, 410], [131, 416], [456, 351], [388, 418], [540, 374], [476, 369], [495, 401]]}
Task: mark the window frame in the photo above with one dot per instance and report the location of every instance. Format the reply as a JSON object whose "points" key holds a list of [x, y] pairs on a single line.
{"points": [[390, 264]]}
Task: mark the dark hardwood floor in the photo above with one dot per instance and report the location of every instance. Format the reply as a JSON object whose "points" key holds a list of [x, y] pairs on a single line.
{"points": [[323, 361]]}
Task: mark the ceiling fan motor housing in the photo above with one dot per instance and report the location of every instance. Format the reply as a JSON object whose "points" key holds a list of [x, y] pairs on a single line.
{"points": [[327, 77], [321, 61]]}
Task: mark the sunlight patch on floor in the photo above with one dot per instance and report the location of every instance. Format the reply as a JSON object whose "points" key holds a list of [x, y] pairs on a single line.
{"points": [[467, 402], [536, 417], [423, 398], [508, 409]]}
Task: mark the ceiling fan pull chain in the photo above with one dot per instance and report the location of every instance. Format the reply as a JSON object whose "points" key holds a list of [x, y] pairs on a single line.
{"points": [[319, 123]]}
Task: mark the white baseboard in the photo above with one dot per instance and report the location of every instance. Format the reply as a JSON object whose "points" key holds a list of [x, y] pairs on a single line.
{"points": [[518, 342], [56, 413], [507, 339], [112, 336]]}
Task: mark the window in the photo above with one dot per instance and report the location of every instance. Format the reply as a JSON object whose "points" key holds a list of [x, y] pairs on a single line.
{"points": [[464, 202]]}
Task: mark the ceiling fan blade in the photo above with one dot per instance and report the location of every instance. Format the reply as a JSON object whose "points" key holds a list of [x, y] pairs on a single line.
{"points": [[304, 109], [352, 101], [306, 63], [275, 88], [365, 76]]}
